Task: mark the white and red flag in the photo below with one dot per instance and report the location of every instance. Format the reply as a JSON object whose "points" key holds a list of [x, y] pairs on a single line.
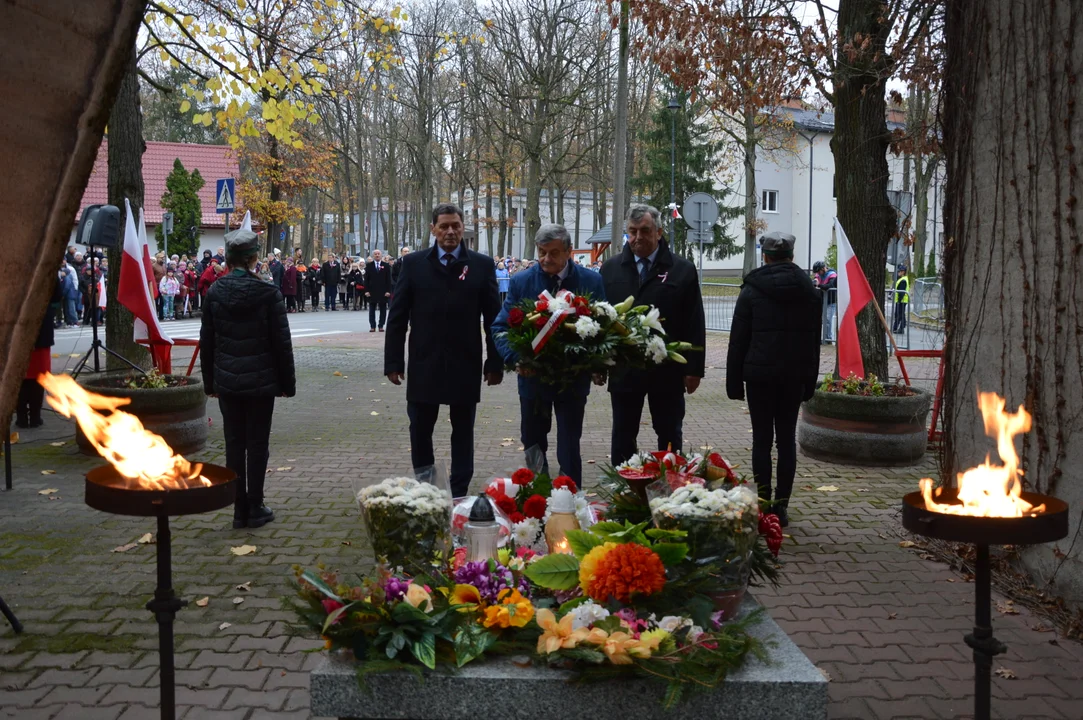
{"points": [[854, 295], [137, 289]]}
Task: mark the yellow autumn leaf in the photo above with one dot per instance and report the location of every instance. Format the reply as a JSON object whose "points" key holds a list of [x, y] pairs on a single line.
{"points": [[203, 602], [47, 491], [243, 550], [185, 106]]}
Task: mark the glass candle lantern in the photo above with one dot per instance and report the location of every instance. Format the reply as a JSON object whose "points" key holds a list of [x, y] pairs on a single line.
{"points": [[561, 519], [482, 531]]}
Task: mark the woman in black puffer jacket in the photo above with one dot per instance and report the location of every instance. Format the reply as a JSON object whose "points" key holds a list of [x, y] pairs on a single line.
{"points": [[247, 362]]}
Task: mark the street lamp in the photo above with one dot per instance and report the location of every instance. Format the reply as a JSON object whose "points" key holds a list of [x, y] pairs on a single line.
{"points": [[673, 106]]}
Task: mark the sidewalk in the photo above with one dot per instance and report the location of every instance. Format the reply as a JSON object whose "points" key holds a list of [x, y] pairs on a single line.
{"points": [[885, 625]]}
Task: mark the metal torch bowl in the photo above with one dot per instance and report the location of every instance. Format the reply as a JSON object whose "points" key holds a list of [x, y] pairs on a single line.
{"points": [[109, 491], [1046, 526]]}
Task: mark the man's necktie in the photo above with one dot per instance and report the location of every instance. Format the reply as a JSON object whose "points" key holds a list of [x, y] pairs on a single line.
{"points": [[644, 268], [556, 284], [448, 259]]}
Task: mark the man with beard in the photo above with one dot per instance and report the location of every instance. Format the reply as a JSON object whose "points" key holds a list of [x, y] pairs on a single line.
{"points": [[441, 295]]}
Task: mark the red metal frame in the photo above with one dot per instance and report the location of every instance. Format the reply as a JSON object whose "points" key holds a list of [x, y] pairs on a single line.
{"points": [[163, 355], [934, 434]]}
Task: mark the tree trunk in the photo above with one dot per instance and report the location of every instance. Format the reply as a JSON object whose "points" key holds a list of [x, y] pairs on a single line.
{"points": [[1013, 275], [503, 211], [924, 167], [125, 180], [275, 195], [860, 147], [533, 204], [751, 222]]}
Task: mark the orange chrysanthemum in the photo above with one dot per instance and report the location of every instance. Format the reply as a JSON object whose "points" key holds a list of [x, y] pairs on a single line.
{"points": [[624, 570]]}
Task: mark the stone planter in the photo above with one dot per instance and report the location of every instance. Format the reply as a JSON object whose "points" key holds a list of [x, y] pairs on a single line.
{"points": [[178, 414], [865, 430]]}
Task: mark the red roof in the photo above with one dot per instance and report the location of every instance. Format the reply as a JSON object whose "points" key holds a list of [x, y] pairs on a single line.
{"points": [[212, 161]]}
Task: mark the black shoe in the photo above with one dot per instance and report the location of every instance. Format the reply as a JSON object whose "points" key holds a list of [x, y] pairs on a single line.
{"points": [[36, 422], [779, 509], [259, 515], [240, 516], [22, 423]]}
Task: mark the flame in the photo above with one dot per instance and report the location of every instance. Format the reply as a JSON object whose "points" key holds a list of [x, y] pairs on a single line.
{"points": [[563, 547], [991, 490], [137, 454]]}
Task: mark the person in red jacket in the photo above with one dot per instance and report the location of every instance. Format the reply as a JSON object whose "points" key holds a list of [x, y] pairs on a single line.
{"points": [[208, 277]]}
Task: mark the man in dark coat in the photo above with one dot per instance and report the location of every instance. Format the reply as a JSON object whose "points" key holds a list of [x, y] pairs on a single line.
{"points": [[538, 402], [774, 353], [441, 294], [378, 288], [649, 271], [330, 275], [276, 267]]}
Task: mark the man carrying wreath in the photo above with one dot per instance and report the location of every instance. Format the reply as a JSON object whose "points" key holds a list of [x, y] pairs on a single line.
{"points": [[538, 401], [649, 271]]}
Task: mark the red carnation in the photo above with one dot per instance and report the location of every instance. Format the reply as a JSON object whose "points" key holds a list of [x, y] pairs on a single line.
{"points": [[534, 507], [515, 317], [506, 504], [582, 310], [580, 301], [522, 476], [565, 482], [541, 305], [540, 322], [517, 517]]}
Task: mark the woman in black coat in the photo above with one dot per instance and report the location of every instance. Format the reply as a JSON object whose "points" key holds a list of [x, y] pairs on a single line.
{"points": [[247, 363]]}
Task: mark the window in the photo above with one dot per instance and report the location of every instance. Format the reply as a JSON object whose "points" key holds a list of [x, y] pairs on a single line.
{"points": [[769, 201]]}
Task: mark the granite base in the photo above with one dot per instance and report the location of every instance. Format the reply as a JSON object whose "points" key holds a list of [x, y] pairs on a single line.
{"points": [[788, 686]]}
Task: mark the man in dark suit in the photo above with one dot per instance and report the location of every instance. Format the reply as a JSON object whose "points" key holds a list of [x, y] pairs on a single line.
{"points": [[538, 402], [648, 270], [378, 288], [330, 274], [441, 295]]}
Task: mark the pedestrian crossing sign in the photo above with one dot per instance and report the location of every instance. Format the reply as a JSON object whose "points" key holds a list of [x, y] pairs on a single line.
{"points": [[226, 195]]}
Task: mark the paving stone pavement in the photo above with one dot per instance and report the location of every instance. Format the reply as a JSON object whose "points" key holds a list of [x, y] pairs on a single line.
{"points": [[885, 625]]}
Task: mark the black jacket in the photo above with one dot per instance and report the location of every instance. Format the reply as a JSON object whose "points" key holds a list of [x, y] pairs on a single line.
{"points": [[330, 275], [378, 282], [442, 307], [277, 271], [673, 287], [396, 270], [775, 336], [245, 342], [356, 277]]}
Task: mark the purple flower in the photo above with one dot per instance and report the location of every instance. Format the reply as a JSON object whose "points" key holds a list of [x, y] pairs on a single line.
{"points": [[489, 582], [395, 589]]}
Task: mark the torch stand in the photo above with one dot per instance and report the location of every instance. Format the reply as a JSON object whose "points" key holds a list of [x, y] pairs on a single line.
{"points": [[165, 606], [985, 646]]}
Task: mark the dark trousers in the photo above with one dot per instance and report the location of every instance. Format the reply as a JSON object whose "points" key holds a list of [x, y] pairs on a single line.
{"points": [[246, 424], [666, 402], [773, 408], [315, 295], [375, 302], [329, 299], [30, 401], [291, 303], [898, 323], [423, 421], [537, 421]]}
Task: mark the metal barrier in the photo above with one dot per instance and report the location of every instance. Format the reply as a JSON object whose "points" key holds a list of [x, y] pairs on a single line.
{"points": [[922, 328]]}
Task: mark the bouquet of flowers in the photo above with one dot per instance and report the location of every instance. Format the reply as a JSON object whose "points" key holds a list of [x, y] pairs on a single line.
{"points": [[408, 522], [527, 501], [560, 337]]}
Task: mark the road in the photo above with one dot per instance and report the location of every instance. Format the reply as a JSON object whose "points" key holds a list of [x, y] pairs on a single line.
{"points": [[76, 341]]}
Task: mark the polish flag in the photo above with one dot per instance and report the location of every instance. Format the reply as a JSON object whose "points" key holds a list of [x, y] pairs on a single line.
{"points": [[136, 289], [854, 294]]}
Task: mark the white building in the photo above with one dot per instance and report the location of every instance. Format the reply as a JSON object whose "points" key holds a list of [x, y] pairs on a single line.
{"points": [[786, 202]]}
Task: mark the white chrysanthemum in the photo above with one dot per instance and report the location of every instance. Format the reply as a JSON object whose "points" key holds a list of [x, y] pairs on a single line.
{"points": [[604, 309], [673, 623], [525, 533], [585, 615], [653, 320], [656, 350], [558, 304], [587, 327]]}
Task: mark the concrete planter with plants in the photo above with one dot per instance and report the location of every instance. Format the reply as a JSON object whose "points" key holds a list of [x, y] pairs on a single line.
{"points": [[174, 407], [865, 423]]}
